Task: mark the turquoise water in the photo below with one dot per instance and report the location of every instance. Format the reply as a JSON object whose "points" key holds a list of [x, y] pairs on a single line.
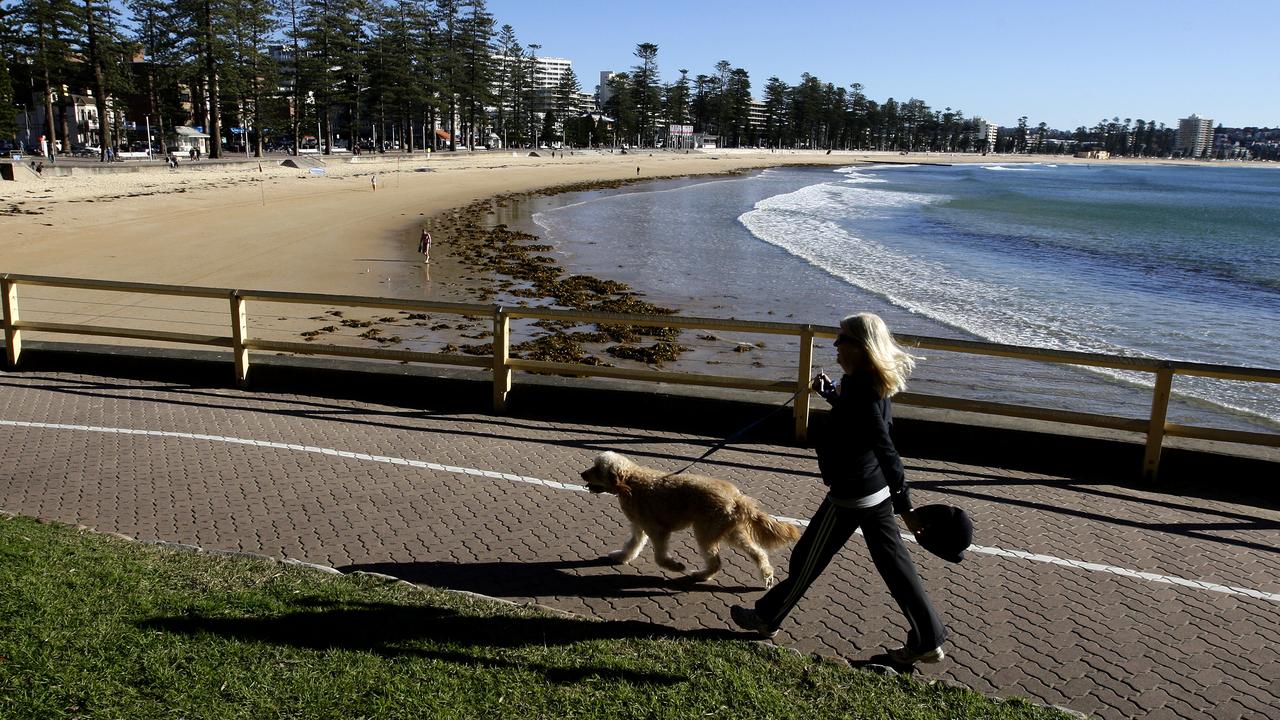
{"points": [[1149, 261]]}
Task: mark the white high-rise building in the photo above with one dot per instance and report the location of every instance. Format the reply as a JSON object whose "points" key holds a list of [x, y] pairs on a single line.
{"points": [[549, 71], [1195, 136], [985, 134], [546, 74]]}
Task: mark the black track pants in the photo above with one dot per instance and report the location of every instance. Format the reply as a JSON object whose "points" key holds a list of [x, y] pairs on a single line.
{"points": [[828, 531]]}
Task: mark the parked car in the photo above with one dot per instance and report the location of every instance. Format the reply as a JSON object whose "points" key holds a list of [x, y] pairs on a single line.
{"points": [[86, 150]]}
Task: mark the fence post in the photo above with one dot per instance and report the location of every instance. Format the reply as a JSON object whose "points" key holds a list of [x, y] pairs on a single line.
{"points": [[802, 384], [501, 352], [12, 335], [239, 333], [1155, 431]]}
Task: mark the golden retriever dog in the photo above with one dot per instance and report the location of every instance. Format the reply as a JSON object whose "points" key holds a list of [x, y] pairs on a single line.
{"points": [[658, 504]]}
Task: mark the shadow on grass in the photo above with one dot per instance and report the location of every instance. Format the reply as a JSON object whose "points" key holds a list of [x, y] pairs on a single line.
{"points": [[545, 579], [406, 631]]}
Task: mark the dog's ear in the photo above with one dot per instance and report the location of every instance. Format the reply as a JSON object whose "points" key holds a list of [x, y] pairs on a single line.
{"points": [[620, 485]]}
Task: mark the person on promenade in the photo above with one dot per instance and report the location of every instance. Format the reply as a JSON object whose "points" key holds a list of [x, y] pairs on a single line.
{"points": [[424, 246], [861, 467]]}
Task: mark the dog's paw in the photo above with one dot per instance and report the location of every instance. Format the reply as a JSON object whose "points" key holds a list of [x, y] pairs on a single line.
{"points": [[618, 557], [768, 581]]}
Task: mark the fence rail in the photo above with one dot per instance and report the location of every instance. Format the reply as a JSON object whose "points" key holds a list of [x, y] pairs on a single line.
{"points": [[240, 341]]}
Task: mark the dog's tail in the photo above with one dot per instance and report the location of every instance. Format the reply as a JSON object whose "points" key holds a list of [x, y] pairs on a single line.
{"points": [[766, 530]]}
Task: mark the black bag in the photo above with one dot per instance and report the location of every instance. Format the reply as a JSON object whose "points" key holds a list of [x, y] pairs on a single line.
{"points": [[946, 531]]}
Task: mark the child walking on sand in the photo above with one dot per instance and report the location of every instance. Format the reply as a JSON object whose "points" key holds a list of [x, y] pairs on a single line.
{"points": [[424, 246]]}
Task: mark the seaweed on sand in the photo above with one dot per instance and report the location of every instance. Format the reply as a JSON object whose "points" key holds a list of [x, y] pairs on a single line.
{"points": [[560, 347], [511, 257], [655, 354]]}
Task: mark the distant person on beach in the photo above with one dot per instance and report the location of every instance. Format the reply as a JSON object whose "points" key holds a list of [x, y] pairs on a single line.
{"points": [[374, 182], [192, 154], [424, 246], [861, 467]]}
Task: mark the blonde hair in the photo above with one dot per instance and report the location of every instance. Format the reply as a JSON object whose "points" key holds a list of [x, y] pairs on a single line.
{"points": [[890, 364]]}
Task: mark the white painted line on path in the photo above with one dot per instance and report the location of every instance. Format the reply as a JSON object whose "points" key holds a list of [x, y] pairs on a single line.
{"points": [[455, 470]]}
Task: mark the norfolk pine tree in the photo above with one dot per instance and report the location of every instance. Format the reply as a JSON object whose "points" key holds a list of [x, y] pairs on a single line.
{"points": [[44, 27], [644, 83]]}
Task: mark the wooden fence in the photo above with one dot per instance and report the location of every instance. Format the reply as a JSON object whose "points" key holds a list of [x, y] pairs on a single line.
{"points": [[240, 342]]}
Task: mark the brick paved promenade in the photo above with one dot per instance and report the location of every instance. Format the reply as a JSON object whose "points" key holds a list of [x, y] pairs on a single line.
{"points": [[1050, 606]]}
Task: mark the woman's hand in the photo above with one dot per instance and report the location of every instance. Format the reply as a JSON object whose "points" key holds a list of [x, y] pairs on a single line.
{"points": [[823, 385]]}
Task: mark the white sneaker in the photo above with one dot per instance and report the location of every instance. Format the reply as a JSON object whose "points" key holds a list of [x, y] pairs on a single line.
{"points": [[906, 656]]}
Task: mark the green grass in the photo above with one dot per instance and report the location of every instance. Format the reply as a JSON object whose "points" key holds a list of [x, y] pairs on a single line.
{"points": [[92, 626]]}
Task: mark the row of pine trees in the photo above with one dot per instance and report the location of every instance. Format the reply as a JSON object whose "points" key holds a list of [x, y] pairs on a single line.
{"points": [[394, 70]]}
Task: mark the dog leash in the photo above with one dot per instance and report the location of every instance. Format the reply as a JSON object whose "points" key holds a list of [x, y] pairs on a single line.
{"points": [[740, 433]]}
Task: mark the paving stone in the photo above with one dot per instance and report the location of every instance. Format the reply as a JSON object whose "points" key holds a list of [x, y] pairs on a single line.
{"points": [[1107, 644]]}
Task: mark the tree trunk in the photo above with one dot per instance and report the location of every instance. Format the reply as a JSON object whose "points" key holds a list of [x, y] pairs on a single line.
{"points": [[99, 76], [453, 134], [50, 133], [68, 110], [211, 75]]}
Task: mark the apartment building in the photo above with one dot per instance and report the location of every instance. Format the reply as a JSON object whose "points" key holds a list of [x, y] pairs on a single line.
{"points": [[1195, 136]]}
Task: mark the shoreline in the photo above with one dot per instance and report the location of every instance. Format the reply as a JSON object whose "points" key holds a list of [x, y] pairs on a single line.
{"points": [[285, 229], [690, 356], [266, 227]]}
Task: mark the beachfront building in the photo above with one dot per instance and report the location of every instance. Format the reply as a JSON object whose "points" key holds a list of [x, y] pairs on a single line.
{"points": [[187, 138], [603, 91], [1195, 136], [548, 73], [545, 74], [75, 118], [985, 135], [757, 116]]}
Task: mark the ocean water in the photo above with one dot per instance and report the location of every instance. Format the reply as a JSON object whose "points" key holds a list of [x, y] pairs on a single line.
{"points": [[1145, 261]]}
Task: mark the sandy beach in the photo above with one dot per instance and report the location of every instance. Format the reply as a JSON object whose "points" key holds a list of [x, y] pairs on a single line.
{"points": [[262, 226]]}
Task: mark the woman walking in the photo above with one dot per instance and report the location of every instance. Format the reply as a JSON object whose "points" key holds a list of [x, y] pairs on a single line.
{"points": [[867, 488], [424, 245]]}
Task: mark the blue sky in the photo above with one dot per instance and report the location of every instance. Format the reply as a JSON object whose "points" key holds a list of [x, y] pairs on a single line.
{"points": [[1064, 63]]}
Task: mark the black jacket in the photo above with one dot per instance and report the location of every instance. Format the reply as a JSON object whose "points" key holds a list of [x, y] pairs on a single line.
{"points": [[855, 453]]}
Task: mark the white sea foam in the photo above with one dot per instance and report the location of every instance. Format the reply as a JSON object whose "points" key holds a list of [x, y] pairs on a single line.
{"points": [[863, 178], [881, 166], [814, 223], [1007, 168], [810, 224]]}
